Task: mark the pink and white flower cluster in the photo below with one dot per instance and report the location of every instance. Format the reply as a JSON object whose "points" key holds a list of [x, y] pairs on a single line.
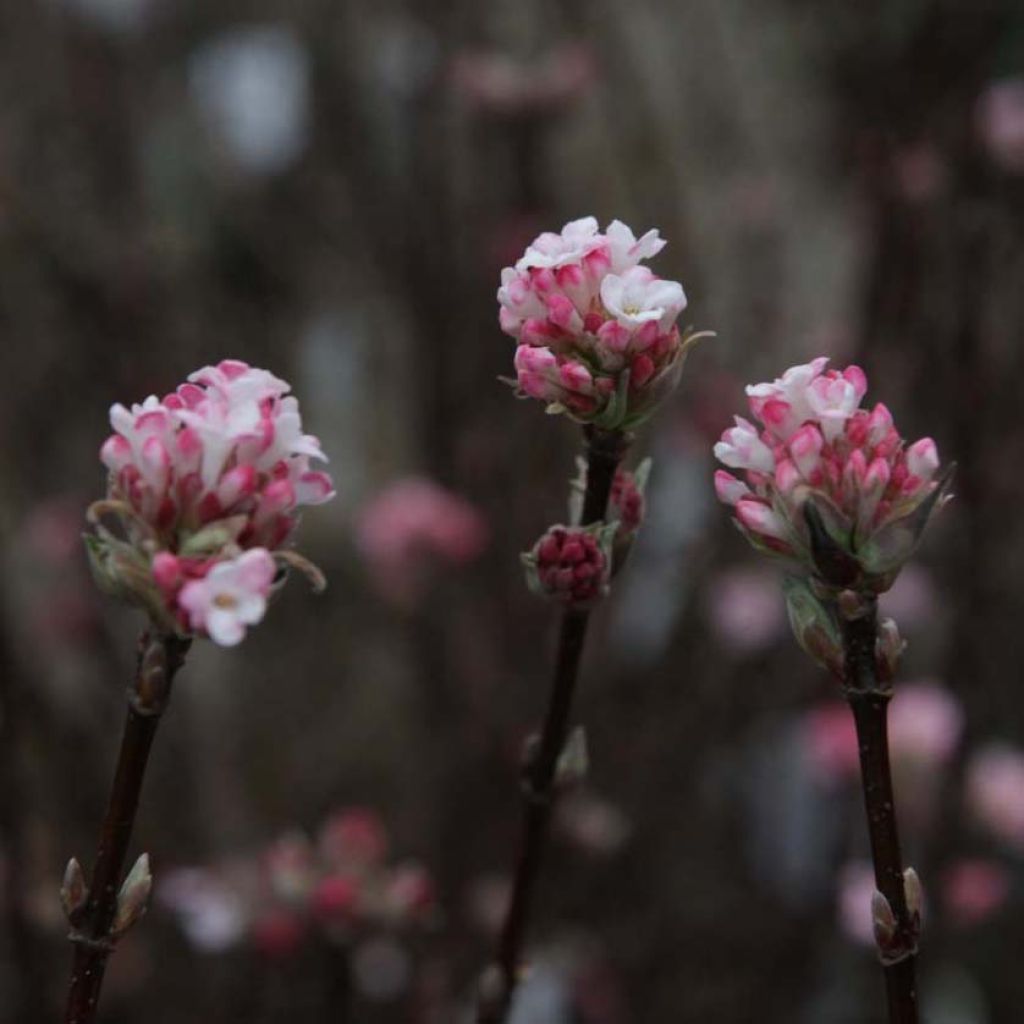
{"points": [[595, 330], [813, 442], [207, 483], [342, 886]]}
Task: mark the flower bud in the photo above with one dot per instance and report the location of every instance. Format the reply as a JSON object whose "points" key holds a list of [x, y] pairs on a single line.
{"points": [[574, 760], [74, 893], [914, 894], [883, 922], [570, 564], [813, 624], [888, 649], [133, 898]]}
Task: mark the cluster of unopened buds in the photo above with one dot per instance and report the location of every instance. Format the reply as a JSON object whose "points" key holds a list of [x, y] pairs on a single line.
{"points": [[342, 886], [821, 474], [205, 486], [595, 330], [574, 565], [571, 564]]}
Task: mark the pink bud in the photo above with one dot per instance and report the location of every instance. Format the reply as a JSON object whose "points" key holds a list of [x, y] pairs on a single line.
{"points": [[335, 897], [787, 476], [569, 565], [805, 448], [757, 517], [641, 371], [923, 459], [728, 488], [167, 571]]}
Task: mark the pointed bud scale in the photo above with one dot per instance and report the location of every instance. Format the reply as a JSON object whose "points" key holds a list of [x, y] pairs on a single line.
{"points": [[74, 893], [574, 760], [133, 898], [914, 893], [813, 625], [889, 648], [883, 922]]}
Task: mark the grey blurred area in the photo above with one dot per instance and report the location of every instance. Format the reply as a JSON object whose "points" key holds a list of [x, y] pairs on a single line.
{"points": [[329, 190]]}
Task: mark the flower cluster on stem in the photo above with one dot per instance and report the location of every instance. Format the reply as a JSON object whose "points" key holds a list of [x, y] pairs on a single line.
{"points": [[205, 485], [595, 330], [813, 445]]}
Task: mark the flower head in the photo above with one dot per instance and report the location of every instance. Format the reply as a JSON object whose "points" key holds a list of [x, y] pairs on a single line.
{"points": [[596, 332], [818, 469], [205, 484], [571, 564]]}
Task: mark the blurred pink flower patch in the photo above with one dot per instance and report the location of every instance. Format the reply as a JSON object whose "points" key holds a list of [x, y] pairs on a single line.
{"points": [[831, 740], [999, 119], [354, 837], [995, 791], [746, 609], [856, 887], [501, 84], [974, 889], [412, 527], [925, 724], [911, 600]]}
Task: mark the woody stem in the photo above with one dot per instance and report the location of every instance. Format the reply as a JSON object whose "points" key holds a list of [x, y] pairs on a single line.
{"points": [[604, 451], [159, 659], [869, 699]]}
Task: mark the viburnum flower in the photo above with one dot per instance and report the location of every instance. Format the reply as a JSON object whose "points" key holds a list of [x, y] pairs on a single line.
{"points": [[814, 462], [231, 596], [205, 486], [596, 332], [571, 564]]}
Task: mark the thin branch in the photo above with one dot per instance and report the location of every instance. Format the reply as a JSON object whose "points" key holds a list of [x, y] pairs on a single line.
{"points": [[869, 700], [604, 452], [160, 657]]}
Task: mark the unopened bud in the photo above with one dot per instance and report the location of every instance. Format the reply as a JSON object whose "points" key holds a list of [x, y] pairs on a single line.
{"points": [[574, 761], [888, 648], [883, 922], [74, 893], [133, 898], [813, 624], [571, 564], [914, 893], [852, 606]]}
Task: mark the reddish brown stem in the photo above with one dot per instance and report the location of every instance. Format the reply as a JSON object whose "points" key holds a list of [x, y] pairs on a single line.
{"points": [[160, 657], [604, 452], [869, 701]]}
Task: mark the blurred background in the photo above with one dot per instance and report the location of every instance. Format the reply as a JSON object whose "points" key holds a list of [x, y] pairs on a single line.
{"points": [[329, 190]]}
